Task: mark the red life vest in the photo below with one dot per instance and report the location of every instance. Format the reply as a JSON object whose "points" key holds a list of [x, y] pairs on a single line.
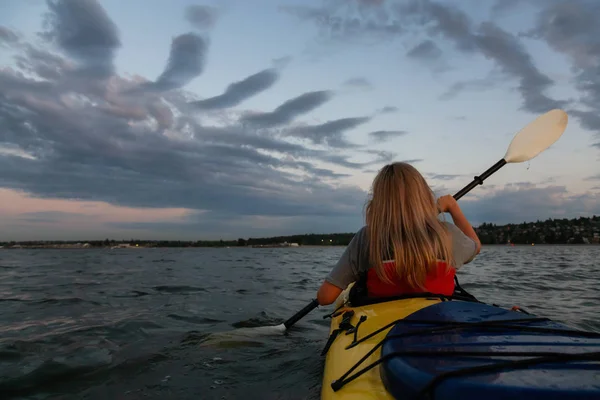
{"points": [[438, 281]]}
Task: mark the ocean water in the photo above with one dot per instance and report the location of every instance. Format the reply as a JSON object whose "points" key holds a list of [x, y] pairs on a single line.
{"points": [[156, 323]]}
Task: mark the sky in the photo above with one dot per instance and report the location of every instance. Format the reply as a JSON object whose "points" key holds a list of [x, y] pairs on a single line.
{"points": [[191, 120]]}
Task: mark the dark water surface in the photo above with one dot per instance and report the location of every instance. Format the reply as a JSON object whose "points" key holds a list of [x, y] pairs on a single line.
{"points": [[142, 323]]}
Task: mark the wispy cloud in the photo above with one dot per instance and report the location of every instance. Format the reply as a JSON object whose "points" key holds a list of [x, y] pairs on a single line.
{"points": [[330, 132], [8, 36], [239, 91], [571, 28], [84, 31], [518, 203], [134, 143], [201, 17], [290, 109], [382, 136], [426, 50], [389, 110], [186, 61], [361, 83]]}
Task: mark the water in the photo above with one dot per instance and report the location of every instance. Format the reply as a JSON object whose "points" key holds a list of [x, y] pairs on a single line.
{"points": [[143, 323]]}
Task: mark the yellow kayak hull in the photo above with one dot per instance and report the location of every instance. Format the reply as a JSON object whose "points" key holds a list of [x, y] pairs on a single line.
{"points": [[339, 360]]}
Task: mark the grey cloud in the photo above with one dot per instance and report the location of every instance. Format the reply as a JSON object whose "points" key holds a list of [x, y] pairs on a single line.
{"points": [[456, 88], [426, 50], [43, 63], [239, 91], [512, 57], [330, 132], [592, 178], [282, 62], [232, 227], [382, 136], [289, 110], [388, 110], [50, 216], [186, 61], [444, 177], [413, 160], [517, 204], [571, 28], [502, 7], [362, 83], [494, 43], [85, 32], [344, 21], [162, 114], [349, 20], [8, 36], [144, 151], [201, 16]]}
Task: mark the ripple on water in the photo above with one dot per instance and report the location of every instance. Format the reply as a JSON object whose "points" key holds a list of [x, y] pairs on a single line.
{"points": [[102, 324]]}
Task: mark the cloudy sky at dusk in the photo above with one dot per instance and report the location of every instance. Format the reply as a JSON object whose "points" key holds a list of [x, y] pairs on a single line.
{"points": [[205, 120]]}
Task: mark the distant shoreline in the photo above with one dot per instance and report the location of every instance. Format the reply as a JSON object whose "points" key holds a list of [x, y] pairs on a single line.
{"points": [[552, 232], [311, 246]]}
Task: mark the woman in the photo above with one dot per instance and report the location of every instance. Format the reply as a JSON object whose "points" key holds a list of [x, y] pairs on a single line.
{"points": [[404, 247]]}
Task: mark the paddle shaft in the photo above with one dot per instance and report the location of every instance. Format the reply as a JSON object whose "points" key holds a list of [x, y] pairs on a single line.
{"points": [[300, 314], [478, 180]]}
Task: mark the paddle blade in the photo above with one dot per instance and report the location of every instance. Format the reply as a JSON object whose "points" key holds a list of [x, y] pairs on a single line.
{"points": [[537, 136]]}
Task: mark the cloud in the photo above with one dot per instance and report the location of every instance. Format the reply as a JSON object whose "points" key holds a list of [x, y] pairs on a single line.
{"points": [[239, 91], [289, 110], [592, 178], [201, 17], [491, 41], [474, 85], [361, 83], [519, 203], [382, 136], [50, 216], [350, 21], [106, 139], [83, 30], [501, 7], [571, 28], [330, 132], [444, 177], [8, 36], [388, 110], [426, 50], [186, 61]]}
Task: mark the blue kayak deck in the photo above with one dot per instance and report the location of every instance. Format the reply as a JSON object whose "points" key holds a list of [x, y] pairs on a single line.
{"points": [[439, 346]]}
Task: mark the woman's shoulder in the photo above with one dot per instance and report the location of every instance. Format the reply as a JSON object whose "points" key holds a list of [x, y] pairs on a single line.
{"points": [[361, 235], [452, 229]]}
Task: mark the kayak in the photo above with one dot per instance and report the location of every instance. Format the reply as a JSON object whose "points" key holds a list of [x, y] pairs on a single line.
{"points": [[428, 346]]}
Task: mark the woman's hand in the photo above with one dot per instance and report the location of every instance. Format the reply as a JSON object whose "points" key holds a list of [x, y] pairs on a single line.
{"points": [[447, 203]]}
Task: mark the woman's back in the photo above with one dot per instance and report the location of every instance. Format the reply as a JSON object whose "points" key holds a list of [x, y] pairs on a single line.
{"points": [[355, 264], [404, 247]]}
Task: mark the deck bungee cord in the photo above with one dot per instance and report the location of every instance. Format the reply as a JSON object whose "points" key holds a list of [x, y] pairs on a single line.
{"points": [[446, 326]]}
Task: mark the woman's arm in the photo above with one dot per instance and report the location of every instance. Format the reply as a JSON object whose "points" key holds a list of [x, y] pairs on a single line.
{"points": [[461, 222], [327, 293], [449, 204], [343, 273]]}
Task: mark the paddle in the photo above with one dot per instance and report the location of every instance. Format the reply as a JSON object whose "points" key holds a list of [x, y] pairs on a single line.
{"points": [[536, 137]]}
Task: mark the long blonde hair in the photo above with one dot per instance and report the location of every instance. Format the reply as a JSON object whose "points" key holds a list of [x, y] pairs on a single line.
{"points": [[402, 225]]}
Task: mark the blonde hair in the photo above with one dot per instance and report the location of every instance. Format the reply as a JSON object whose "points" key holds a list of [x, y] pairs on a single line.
{"points": [[402, 225]]}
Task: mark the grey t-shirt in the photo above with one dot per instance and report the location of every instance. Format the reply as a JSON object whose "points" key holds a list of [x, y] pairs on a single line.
{"points": [[355, 259]]}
